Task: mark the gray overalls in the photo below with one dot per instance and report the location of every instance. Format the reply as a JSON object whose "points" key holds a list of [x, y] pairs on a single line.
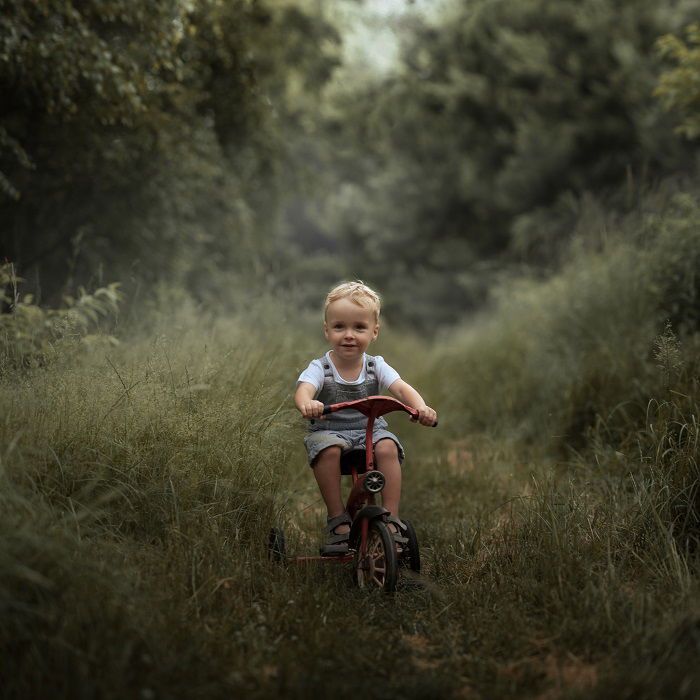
{"points": [[332, 392], [345, 428]]}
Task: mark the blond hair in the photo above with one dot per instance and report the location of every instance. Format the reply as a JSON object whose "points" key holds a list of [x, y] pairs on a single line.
{"points": [[359, 293]]}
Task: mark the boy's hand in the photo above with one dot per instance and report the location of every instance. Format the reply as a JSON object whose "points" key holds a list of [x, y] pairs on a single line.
{"points": [[311, 409], [426, 416], [408, 395]]}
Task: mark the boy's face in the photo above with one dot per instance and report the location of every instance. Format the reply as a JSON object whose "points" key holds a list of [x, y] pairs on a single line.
{"points": [[349, 328]]}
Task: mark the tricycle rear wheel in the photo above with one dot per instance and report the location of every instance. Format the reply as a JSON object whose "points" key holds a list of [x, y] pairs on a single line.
{"points": [[378, 567], [410, 557]]}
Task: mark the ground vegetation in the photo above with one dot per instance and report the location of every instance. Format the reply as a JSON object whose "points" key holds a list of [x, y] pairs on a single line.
{"points": [[148, 440]]}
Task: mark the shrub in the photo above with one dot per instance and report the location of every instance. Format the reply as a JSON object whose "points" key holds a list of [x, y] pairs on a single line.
{"points": [[31, 335], [552, 360], [679, 87]]}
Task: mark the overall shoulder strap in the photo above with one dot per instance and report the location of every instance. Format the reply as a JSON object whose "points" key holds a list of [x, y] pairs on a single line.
{"points": [[371, 372], [327, 369]]}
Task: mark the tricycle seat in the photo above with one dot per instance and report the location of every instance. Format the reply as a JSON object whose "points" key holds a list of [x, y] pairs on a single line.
{"points": [[354, 458]]}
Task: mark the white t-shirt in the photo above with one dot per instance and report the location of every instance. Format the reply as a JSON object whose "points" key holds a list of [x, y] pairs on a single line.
{"points": [[386, 375]]}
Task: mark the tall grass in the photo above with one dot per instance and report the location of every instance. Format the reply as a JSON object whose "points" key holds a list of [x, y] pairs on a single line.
{"points": [[557, 504], [134, 487], [594, 375], [552, 358]]}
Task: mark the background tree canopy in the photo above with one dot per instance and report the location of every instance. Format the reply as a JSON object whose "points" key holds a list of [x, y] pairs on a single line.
{"points": [[138, 132], [216, 145]]}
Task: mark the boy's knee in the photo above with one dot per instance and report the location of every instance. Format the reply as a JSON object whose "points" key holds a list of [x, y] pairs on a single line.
{"points": [[386, 449], [328, 454]]}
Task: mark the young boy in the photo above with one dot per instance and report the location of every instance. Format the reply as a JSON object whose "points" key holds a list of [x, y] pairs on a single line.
{"points": [[346, 373]]}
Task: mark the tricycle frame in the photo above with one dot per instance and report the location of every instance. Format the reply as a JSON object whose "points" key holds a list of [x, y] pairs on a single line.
{"points": [[369, 520]]}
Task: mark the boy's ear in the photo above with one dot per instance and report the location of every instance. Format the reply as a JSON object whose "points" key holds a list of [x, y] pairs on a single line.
{"points": [[375, 332], [325, 329]]}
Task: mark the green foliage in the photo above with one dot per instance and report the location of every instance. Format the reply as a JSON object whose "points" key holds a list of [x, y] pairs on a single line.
{"points": [[214, 137], [557, 504], [31, 335], [98, 64], [679, 88], [572, 360], [500, 121], [137, 490], [138, 130]]}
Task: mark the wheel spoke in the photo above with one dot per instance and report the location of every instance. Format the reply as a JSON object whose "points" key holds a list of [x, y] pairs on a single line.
{"points": [[377, 568]]}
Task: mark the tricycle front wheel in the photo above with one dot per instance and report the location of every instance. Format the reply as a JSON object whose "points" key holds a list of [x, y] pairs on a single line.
{"points": [[378, 567]]}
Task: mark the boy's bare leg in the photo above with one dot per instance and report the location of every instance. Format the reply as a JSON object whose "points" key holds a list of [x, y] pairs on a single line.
{"points": [[327, 473], [387, 456]]}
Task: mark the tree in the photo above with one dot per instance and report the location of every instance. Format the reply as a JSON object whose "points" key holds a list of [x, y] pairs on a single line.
{"points": [[500, 118], [135, 131]]}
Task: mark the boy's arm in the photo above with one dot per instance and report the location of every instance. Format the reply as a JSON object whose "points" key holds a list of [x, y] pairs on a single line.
{"points": [[305, 403], [405, 393]]}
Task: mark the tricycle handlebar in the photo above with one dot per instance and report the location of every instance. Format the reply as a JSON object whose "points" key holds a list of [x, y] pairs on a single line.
{"points": [[373, 406]]}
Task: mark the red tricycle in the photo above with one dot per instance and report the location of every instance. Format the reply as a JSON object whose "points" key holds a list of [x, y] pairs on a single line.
{"points": [[375, 555]]}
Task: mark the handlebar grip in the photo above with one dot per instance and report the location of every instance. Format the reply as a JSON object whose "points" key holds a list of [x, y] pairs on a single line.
{"points": [[326, 410], [435, 424]]}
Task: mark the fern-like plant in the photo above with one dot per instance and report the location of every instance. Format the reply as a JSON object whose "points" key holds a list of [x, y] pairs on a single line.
{"points": [[31, 335]]}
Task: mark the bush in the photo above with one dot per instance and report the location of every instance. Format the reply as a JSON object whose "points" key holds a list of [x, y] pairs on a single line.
{"points": [[679, 88], [552, 360], [31, 335]]}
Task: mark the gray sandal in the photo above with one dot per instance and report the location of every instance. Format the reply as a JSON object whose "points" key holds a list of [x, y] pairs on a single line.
{"points": [[399, 536], [336, 544]]}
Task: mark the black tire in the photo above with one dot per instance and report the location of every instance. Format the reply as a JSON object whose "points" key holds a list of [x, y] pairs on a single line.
{"points": [[410, 557], [276, 549], [379, 567]]}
